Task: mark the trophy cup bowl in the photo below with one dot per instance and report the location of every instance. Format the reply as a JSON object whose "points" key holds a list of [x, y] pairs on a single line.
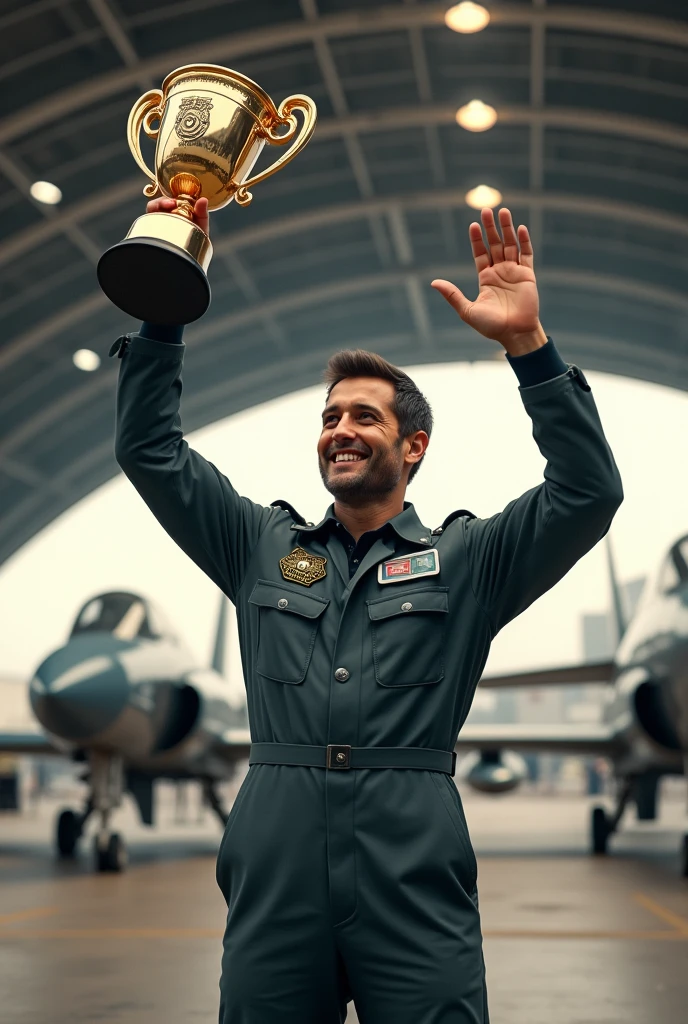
{"points": [[212, 124]]}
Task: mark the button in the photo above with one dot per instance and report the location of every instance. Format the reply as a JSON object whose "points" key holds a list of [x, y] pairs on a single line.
{"points": [[355, 561], [341, 675], [406, 606], [425, 540], [282, 603], [341, 757]]}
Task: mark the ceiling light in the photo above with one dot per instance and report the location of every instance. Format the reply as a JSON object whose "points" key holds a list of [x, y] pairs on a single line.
{"points": [[476, 116], [467, 17], [482, 196], [85, 359], [46, 192]]}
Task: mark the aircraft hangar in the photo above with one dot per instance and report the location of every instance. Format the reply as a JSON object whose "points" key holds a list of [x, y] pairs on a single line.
{"points": [[337, 250], [584, 139]]}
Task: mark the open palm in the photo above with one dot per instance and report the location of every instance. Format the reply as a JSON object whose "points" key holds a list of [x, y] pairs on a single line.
{"points": [[507, 306]]}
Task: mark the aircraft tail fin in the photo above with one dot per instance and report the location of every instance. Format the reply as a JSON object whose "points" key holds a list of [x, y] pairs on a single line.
{"points": [[617, 597], [218, 662]]}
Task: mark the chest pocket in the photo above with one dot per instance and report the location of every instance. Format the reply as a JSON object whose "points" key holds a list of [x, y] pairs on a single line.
{"points": [[288, 625], [408, 632]]}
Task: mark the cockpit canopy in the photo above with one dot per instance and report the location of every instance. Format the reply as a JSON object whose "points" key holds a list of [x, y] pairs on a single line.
{"points": [[124, 615], [674, 571]]}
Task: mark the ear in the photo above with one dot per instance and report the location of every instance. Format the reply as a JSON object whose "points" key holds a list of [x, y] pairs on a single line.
{"points": [[418, 444]]}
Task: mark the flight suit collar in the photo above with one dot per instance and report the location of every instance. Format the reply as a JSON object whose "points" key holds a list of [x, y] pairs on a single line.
{"points": [[406, 525]]}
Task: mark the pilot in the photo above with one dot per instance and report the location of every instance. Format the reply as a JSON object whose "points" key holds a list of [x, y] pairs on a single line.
{"points": [[346, 863]]}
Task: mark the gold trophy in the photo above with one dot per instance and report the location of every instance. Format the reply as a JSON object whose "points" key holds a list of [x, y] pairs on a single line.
{"points": [[212, 124]]}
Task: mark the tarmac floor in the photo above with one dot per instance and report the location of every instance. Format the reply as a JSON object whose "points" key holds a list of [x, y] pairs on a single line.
{"points": [[569, 939]]}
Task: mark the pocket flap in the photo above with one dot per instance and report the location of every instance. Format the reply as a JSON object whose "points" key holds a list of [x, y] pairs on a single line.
{"points": [[434, 599], [274, 595]]}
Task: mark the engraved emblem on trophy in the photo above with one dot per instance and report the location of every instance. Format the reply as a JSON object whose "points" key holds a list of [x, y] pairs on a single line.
{"points": [[211, 124]]}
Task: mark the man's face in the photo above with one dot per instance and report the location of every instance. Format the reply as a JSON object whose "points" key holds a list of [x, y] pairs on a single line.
{"points": [[360, 453]]}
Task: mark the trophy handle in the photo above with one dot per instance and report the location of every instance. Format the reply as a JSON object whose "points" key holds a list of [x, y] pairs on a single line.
{"points": [[310, 114], [146, 109]]}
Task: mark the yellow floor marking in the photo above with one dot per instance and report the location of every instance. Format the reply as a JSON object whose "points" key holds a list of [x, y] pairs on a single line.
{"points": [[668, 916], [216, 933], [114, 933], [28, 915], [520, 933]]}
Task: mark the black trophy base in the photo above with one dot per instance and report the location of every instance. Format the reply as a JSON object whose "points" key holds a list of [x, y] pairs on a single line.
{"points": [[154, 280]]}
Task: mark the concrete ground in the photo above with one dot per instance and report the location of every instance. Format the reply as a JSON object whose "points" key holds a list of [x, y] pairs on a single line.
{"points": [[569, 939]]}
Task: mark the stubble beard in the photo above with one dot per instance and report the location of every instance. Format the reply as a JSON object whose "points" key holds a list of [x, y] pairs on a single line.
{"points": [[381, 475]]}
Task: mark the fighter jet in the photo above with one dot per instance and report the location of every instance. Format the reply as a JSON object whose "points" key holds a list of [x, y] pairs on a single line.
{"points": [[127, 699], [644, 726]]}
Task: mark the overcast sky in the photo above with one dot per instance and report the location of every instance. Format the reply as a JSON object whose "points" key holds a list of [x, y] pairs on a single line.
{"points": [[481, 456]]}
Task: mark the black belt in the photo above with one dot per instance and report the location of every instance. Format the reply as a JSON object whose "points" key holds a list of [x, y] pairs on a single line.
{"points": [[341, 755]]}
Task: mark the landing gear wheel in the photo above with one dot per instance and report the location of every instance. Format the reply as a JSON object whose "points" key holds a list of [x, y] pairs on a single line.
{"points": [[68, 833], [684, 857], [600, 830], [112, 857]]}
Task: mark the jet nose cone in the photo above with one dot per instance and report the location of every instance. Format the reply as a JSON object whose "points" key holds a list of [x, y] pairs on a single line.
{"points": [[77, 698]]}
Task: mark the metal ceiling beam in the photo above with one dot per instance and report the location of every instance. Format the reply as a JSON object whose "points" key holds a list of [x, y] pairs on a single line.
{"points": [[69, 403], [627, 213], [352, 144], [638, 128], [112, 26], [366, 21], [537, 129], [249, 289], [415, 295]]}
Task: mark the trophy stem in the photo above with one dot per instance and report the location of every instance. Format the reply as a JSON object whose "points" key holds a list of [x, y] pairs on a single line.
{"points": [[186, 188]]}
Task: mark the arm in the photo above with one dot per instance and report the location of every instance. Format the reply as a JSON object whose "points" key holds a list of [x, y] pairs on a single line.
{"points": [[517, 555], [190, 498]]}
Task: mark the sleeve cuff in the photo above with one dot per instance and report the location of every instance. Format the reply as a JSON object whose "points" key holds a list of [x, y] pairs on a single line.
{"points": [[169, 333], [536, 367]]}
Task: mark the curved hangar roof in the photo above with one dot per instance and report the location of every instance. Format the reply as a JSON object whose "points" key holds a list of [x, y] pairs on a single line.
{"points": [[337, 249]]}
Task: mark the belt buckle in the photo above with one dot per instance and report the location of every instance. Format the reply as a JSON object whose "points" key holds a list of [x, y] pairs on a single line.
{"points": [[338, 755]]}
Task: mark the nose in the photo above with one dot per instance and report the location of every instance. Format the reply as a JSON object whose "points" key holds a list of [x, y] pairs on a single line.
{"points": [[344, 429], [76, 697]]}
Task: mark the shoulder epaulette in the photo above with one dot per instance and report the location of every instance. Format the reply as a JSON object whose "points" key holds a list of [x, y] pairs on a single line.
{"points": [[451, 517], [296, 516]]}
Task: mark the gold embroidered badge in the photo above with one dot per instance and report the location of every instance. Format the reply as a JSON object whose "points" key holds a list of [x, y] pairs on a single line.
{"points": [[300, 567]]}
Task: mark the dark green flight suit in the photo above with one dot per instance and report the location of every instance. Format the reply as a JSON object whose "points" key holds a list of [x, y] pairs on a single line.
{"points": [[359, 881]]}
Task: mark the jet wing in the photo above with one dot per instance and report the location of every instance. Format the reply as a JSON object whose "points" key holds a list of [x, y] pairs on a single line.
{"points": [[563, 738], [591, 672], [27, 743]]}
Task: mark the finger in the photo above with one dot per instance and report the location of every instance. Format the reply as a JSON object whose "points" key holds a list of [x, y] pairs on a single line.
{"points": [[526, 246], [509, 234], [161, 205], [493, 237], [201, 214], [480, 253], [453, 295]]}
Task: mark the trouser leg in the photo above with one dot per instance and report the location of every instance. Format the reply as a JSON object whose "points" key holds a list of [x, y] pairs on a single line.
{"points": [[282, 983], [413, 947], [280, 963]]}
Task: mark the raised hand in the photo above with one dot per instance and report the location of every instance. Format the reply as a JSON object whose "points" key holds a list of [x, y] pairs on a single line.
{"points": [[163, 205], [507, 307]]}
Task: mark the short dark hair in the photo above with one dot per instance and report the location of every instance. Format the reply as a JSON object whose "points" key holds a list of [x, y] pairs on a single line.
{"points": [[410, 406]]}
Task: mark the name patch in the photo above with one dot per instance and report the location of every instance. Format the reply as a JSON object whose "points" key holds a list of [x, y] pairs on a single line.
{"points": [[419, 563]]}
